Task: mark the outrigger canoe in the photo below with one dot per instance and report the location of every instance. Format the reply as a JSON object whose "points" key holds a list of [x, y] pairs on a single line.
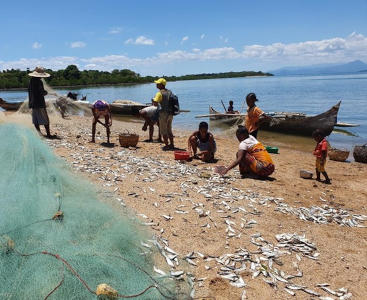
{"points": [[294, 123], [10, 106]]}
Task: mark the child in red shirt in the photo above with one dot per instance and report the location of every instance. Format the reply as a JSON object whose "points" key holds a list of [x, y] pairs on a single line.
{"points": [[321, 153]]}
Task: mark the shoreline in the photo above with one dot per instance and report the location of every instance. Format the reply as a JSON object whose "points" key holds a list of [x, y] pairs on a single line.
{"points": [[128, 83]]}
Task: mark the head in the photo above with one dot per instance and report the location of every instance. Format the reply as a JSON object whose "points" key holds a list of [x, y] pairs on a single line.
{"points": [[203, 128], [161, 83], [242, 133], [318, 135], [231, 103], [251, 99]]}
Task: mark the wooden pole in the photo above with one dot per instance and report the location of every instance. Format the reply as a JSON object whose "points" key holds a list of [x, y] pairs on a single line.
{"points": [[223, 106]]}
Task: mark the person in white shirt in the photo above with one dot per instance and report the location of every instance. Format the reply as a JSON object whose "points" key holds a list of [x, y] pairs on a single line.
{"points": [[151, 115], [251, 157]]}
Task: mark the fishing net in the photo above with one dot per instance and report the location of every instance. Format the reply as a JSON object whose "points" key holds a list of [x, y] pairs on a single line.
{"points": [[59, 105], [59, 241]]}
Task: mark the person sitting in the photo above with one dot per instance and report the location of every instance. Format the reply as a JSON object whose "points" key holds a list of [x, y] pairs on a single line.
{"points": [[230, 109], [252, 157], [255, 116], [151, 115], [203, 140], [100, 109]]}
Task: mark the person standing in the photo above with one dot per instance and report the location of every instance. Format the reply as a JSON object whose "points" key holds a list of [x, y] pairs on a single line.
{"points": [[254, 115], [36, 96], [165, 113], [321, 153]]}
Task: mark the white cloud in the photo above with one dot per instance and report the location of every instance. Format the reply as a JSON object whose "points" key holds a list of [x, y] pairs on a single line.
{"points": [[36, 45], [55, 63], [77, 44], [202, 36], [141, 40], [184, 39], [115, 30], [336, 50]]}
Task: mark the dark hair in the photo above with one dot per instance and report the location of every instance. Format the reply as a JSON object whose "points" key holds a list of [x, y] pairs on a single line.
{"points": [[230, 102], [241, 130], [318, 132], [203, 125], [251, 96]]}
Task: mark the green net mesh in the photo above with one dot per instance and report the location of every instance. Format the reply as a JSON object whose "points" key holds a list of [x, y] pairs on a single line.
{"points": [[65, 255]]}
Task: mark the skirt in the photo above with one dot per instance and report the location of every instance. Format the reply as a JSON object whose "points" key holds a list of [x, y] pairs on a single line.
{"points": [[40, 117]]}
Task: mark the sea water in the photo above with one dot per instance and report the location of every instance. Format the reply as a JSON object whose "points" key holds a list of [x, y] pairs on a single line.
{"points": [[306, 94]]}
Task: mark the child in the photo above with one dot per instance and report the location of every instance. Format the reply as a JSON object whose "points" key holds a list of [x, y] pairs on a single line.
{"points": [[320, 152], [100, 109], [203, 140]]}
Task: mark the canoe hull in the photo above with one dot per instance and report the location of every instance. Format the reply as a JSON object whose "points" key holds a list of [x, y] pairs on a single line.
{"points": [[305, 125], [10, 106], [125, 109], [230, 119]]}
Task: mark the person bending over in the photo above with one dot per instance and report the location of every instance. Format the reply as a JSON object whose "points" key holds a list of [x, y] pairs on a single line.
{"points": [[204, 141], [101, 109], [251, 157], [151, 115], [321, 153]]}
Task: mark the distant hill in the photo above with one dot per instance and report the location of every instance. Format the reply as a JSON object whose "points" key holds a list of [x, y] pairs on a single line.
{"points": [[324, 69]]}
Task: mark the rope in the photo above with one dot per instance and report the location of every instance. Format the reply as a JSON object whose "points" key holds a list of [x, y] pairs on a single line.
{"points": [[65, 262], [56, 287]]}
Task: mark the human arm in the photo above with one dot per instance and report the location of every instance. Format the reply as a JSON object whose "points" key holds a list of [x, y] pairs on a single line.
{"points": [[158, 97], [240, 155], [189, 146]]}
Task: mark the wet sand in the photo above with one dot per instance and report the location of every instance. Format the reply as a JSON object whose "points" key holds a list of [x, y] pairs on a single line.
{"points": [[342, 260]]}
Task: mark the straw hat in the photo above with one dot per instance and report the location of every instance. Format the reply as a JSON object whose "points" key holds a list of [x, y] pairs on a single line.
{"points": [[39, 72]]}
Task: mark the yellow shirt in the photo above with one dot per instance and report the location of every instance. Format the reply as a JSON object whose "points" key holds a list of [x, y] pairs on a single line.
{"points": [[252, 118], [158, 97]]}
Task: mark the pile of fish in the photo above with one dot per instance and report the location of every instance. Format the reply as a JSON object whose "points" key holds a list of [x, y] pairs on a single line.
{"points": [[238, 211]]}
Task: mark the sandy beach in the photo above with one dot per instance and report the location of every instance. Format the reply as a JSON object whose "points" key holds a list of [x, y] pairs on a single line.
{"points": [[222, 229]]}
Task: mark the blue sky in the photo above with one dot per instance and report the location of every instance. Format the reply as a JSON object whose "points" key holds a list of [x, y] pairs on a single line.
{"points": [[180, 37]]}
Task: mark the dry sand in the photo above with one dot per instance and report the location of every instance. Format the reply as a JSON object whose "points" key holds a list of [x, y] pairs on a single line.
{"points": [[343, 250]]}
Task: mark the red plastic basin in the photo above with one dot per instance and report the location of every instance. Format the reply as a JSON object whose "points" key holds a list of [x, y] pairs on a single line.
{"points": [[182, 155]]}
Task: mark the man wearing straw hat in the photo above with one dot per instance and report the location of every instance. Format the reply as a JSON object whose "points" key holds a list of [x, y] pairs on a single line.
{"points": [[36, 97]]}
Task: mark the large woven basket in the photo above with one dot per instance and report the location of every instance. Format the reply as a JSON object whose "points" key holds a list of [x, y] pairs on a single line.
{"points": [[360, 153], [338, 155], [128, 139]]}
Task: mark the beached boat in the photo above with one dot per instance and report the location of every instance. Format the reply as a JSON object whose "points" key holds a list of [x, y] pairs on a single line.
{"points": [[10, 106], [302, 124], [126, 107], [228, 119], [286, 122]]}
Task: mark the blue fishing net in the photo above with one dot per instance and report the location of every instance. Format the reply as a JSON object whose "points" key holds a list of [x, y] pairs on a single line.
{"points": [[58, 240]]}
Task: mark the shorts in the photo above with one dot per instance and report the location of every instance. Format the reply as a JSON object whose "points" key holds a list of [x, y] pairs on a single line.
{"points": [[320, 164], [40, 116], [205, 146], [165, 124]]}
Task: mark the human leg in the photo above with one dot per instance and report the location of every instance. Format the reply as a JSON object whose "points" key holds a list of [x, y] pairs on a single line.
{"points": [[163, 116], [108, 130], [194, 144], [170, 133], [94, 124]]}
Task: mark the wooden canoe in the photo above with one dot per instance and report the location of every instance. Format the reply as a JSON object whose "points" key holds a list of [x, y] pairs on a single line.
{"points": [[303, 124], [126, 107], [293, 123], [228, 119], [10, 106]]}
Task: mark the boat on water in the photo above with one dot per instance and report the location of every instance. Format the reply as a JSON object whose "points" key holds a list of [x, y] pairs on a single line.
{"points": [[287, 122], [228, 119]]}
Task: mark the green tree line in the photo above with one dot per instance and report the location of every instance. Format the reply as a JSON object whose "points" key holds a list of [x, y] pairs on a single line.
{"points": [[72, 76]]}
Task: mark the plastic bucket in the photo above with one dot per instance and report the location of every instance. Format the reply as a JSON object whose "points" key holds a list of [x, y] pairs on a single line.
{"points": [[182, 155]]}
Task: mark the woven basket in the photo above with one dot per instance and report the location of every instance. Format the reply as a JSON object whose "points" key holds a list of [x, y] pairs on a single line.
{"points": [[338, 155], [360, 153], [128, 139]]}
